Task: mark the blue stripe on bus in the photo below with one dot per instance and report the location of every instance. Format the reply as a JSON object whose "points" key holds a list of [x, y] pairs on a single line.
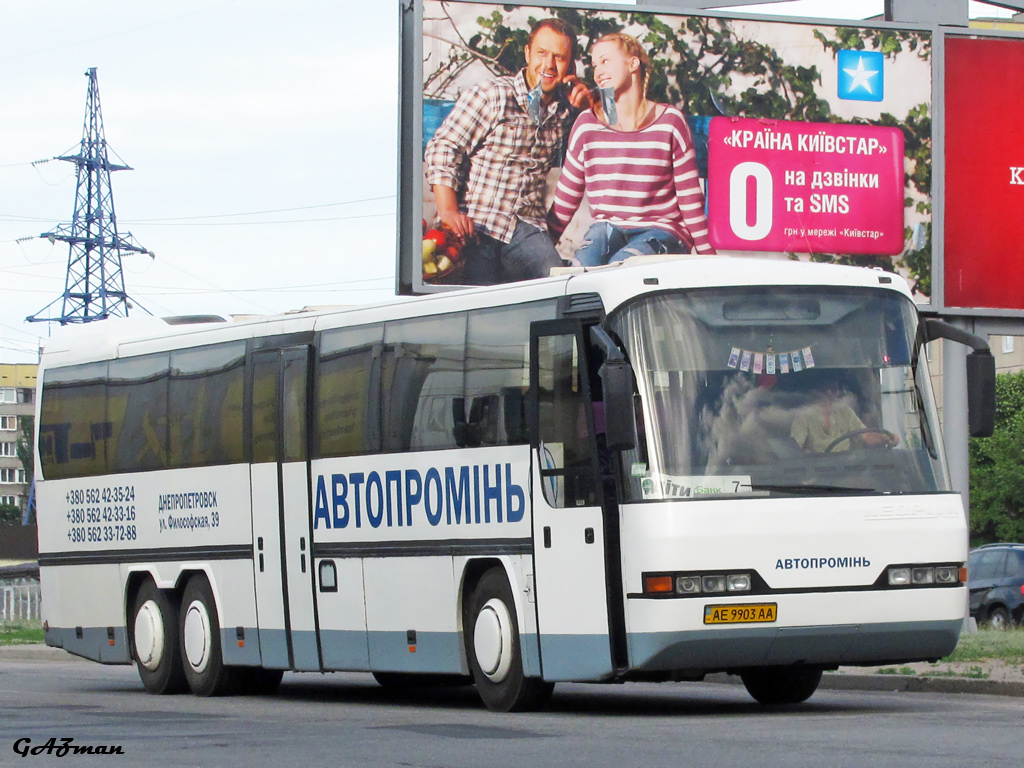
{"points": [[756, 646], [93, 644], [575, 657]]}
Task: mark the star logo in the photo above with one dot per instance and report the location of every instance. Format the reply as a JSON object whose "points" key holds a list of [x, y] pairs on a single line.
{"points": [[861, 75]]}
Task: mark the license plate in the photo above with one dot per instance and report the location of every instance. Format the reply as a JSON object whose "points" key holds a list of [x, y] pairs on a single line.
{"points": [[751, 613]]}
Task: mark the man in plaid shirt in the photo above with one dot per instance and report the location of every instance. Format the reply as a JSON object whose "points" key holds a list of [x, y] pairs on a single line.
{"points": [[489, 160]]}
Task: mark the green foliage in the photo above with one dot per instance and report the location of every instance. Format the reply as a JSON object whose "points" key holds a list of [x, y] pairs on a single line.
{"points": [[25, 442], [10, 514], [888, 41], [20, 633], [1007, 645], [997, 469]]}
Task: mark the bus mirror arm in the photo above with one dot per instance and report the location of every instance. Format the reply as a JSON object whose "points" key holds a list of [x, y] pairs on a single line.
{"points": [[981, 375], [617, 381]]}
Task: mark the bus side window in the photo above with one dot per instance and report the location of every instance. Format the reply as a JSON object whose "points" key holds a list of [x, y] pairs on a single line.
{"points": [[498, 371], [347, 400], [421, 376], [74, 429], [566, 455], [137, 405], [205, 405]]}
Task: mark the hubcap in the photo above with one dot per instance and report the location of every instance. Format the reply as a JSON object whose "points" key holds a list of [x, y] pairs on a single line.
{"points": [[149, 635], [196, 638], [492, 640]]}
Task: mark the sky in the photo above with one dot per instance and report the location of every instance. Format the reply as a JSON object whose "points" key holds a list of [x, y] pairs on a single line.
{"points": [[263, 139]]}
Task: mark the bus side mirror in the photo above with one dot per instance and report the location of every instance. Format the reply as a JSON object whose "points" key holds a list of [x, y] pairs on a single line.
{"points": [[617, 382], [981, 393], [620, 426], [981, 374]]}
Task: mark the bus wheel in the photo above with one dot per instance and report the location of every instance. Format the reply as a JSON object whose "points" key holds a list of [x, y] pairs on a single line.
{"points": [[781, 685], [493, 649], [155, 641], [205, 671]]}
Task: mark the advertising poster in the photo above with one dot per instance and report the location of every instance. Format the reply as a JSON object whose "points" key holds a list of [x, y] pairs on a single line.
{"points": [[984, 250], [756, 137]]}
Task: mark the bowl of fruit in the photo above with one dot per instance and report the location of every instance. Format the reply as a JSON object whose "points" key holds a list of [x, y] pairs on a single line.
{"points": [[442, 254]]}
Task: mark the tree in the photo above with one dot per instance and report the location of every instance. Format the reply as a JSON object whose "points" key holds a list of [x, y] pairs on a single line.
{"points": [[26, 442], [997, 468], [9, 514]]}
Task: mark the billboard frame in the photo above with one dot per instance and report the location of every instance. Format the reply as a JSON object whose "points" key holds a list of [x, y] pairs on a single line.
{"points": [[1007, 321], [410, 169]]}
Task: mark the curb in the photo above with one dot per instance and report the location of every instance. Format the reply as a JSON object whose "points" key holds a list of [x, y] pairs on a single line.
{"points": [[856, 681], [36, 652], [837, 681], [920, 684]]}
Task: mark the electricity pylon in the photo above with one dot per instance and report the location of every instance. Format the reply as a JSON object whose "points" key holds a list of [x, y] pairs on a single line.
{"points": [[94, 287]]}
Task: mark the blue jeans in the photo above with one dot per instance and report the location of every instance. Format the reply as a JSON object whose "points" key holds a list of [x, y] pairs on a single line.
{"points": [[529, 254], [605, 243]]}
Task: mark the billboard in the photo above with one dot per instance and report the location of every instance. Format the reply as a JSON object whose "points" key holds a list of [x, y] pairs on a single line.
{"points": [[757, 136], [984, 190]]}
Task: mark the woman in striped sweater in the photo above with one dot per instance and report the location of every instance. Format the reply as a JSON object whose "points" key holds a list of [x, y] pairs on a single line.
{"points": [[636, 165]]}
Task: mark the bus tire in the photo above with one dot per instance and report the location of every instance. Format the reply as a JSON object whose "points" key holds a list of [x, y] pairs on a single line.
{"points": [[781, 685], [155, 644], [493, 649], [199, 630]]}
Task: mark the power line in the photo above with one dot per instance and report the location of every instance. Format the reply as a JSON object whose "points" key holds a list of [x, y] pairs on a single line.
{"points": [[260, 213], [20, 218], [252, 223]]}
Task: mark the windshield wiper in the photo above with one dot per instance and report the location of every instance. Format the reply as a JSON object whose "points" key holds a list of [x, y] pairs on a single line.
{"points": [[808, 489]]}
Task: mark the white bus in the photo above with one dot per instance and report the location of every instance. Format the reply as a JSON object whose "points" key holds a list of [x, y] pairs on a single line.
{"points": [[601, 476]]}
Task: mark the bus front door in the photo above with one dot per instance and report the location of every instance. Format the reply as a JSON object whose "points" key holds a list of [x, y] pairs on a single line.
{"points": [[281, 512], [574, 528]]}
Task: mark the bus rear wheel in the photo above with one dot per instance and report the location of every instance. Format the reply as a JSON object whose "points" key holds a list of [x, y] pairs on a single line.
{"points": [[781, 685], [155, 640], [493, 649], [199, 630]]}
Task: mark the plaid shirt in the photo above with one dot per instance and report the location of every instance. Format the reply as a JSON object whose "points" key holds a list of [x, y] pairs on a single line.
{"points": [[496, 157]]}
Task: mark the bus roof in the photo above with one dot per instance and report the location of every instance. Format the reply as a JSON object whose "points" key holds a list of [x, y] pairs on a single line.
{"points": [[615, 284]]}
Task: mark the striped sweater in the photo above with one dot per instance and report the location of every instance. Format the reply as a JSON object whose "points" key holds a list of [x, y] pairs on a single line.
{"points": [[645, 178]]}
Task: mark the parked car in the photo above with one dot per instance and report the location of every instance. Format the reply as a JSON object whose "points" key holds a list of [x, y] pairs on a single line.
{"points": [[995, 580]]}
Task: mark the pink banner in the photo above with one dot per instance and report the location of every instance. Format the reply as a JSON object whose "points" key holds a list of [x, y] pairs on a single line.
{"points": [[805, 187]]}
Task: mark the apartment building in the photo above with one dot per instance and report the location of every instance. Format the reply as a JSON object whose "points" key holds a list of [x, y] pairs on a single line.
{"points": [[17, 402]]}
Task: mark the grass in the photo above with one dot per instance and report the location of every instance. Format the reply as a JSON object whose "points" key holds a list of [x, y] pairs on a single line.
{"points": [[895, 671], [1007, 646], [20, 632]]}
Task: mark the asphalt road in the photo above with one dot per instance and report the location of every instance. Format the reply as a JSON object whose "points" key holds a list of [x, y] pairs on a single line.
{"points": [[347, 720]]}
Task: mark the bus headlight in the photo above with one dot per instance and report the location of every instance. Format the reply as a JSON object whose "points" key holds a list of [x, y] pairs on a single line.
{"points": [[899, 577], [924, 575], [687, 585], [738, 582]]}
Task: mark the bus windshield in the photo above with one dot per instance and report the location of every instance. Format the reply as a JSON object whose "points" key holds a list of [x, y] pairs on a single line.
{"points": [[779, 391]]}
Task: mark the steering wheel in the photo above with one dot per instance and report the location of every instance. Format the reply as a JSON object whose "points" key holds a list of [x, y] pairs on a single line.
{"points": [[855, 433]]}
